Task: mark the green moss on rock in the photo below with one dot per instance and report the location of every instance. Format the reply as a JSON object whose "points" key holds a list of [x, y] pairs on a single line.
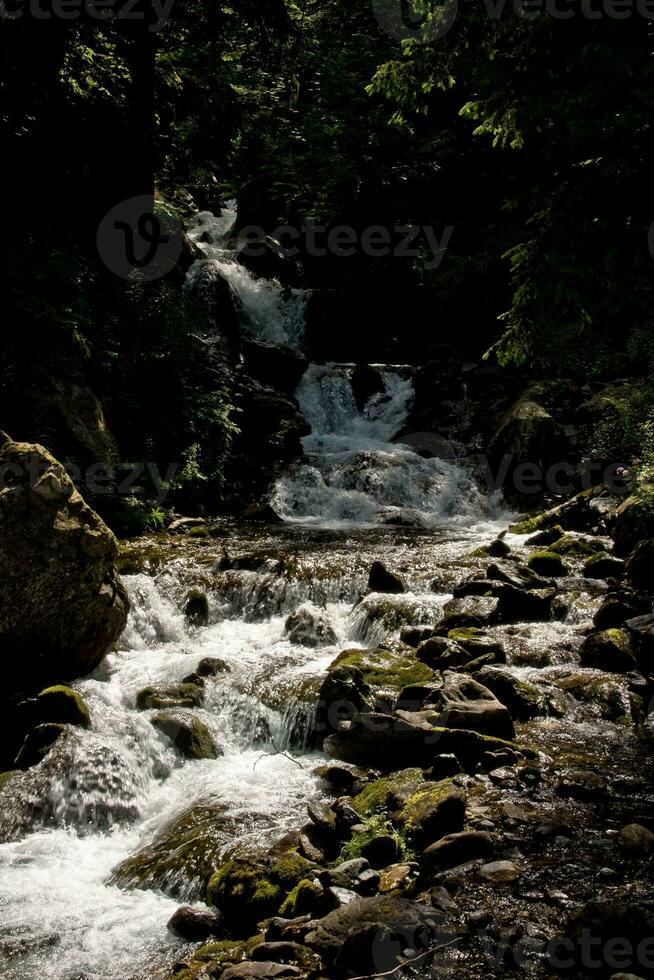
{"points": [[383, 670], [548, 563], [301, 900], [62, 705], [6, 776], [575, 547], [290, 869], [244, 892], [388, 793]]}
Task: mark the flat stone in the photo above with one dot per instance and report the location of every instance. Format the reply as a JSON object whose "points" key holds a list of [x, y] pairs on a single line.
{"points": [[499, 872]]}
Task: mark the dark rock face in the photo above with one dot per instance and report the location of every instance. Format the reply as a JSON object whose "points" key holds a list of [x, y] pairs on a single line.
{"points": [[62, 604], [195, 924], [274, 365], [382, 580], [366, 382]]}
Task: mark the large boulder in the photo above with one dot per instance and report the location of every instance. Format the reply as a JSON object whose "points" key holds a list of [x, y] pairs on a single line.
{"points": [[62, 604], [275, 365], [369, 936]]}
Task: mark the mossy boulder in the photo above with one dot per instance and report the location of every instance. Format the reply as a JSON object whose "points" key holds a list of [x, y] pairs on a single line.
{"points": [[576, 547], [245, 892], [189, 735], [303, 899], [61, 705], [183, 856], [388, 794], [62, 605], [384, 671], [548, 563], [544, 538], [434, 810], [578, 513], [290, 869], [608, 650], [175, 696]]}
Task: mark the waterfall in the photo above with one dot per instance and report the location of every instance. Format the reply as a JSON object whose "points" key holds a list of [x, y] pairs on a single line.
{"points": [[270, 311], [358, 470]]}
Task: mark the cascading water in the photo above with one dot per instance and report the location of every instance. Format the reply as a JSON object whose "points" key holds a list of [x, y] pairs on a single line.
{"points": [[270, 311], [105, 795], [356, 472]]}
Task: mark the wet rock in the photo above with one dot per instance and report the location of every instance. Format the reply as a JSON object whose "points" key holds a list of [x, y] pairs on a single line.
{"points": [[608, 650], [175, 696], [641, 629], [582, 784], [310, 849], [294, 930], [337, 778], [208, 667], [520, 605], [544, 538], [343, 693], [382, 670], [523, 699], [518, 575], [60, 705], [398, 878], [62, 604], [615, 610], [464, 703], [366, 382], [346, 817], [499, 872], [455, 849], [196, 608], [285, 951], [636, 840], [413, 636], [355, 875], [469, 611], [189, 735], [382, 580], [322, 816], [195, 924], [183, 856], [604, 921], [370, 935], [309, 627], [498, 549], [38, 744], [274, 365], [604, 566], [549, 564]]}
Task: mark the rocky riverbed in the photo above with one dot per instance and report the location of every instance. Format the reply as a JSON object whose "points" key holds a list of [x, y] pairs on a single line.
{"points": [[331, 752]]}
